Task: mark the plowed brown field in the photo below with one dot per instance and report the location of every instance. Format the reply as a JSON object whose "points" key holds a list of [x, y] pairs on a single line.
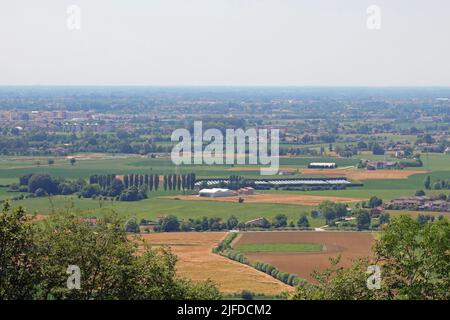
{"points": [[295, 199], [349, 245], [197, 262]]}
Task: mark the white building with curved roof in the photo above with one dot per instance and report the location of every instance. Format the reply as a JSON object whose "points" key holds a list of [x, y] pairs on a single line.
{"points": [[216, 193]]}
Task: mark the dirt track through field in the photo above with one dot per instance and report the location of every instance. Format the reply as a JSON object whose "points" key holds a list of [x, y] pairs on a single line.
{"points": [[294, 199], [354, 174], [197, 262], [349, 245]]}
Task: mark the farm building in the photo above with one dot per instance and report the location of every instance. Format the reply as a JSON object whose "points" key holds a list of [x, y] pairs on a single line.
{"points": [[216, 193], [374, 165], [419, 203], [322, 165], [258, 222], [287, 173], [259, 184]]}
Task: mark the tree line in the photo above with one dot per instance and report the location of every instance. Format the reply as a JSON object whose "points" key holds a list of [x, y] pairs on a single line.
{"points": [[130, 187], [171, 223]]}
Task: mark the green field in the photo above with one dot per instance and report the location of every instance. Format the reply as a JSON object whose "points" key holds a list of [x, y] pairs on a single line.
{"points": [[154, 207], [11, 168], [279, 247]]}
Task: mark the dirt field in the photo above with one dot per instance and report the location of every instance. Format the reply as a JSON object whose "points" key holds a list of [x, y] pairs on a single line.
{"points": [[38, 217], [197, 262], [349, 244], [354, 174], [295, 199]]}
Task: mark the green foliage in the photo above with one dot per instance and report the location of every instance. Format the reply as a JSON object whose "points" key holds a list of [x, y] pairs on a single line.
{"points": [[225, 243], [337, 283], [34, 259], [303, 222], [232, 222], [363, 220], [384, 218], [375, 202], [415, 259], [169, 223], [420, 193], [132, 226], [427, 182], [17, 248], [280, 220], [42, 181], [247, 295], [332, 211], [90, 191]]}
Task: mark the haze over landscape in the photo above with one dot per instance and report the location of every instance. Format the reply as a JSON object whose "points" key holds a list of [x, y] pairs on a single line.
{"points": [[225, 42]]}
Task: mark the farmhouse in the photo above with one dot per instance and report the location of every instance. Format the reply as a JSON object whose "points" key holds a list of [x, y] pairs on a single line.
{"points": [[374, 165], [216, 193], [419, 203], [322, 165], [258, 222]]}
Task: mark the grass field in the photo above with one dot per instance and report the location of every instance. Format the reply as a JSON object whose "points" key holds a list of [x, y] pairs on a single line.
{"points": [[13, 167], [154, 207], [278, 247]]}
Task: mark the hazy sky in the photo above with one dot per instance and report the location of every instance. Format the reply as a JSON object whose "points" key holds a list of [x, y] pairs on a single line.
{"points": [[225, 42]]}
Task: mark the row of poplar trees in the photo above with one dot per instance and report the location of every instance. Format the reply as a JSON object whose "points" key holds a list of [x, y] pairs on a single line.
{"points": [[171, 181], [179, 181]]}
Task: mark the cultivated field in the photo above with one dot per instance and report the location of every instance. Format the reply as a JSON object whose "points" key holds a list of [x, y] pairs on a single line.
{"points": [[349, 245], [351, 173], [197, 262], [293, 199]]}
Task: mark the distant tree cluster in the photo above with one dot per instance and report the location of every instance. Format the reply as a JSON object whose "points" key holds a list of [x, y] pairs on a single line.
{"points": [[426, 218], [332, 211], [130, 187], [440, 184], [171, 223], [122, 190], [40, 185]]}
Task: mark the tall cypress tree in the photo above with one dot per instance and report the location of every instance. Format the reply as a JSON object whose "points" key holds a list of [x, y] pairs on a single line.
{"points": [[131, 177], [156, 182], [169, 181], [178, 183], [188, 181], [192, 180], [150, 182], [165, 182]]}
